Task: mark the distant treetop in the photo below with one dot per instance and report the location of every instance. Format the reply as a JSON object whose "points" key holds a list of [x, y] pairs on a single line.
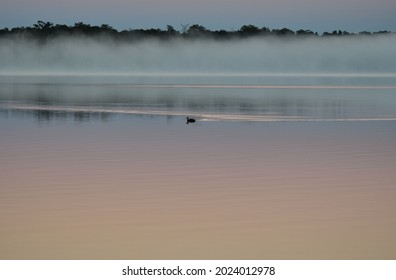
{"points": [[48, 30]]}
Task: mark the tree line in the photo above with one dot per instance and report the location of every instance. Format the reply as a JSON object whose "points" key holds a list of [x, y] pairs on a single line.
{"points": [[48, 30]]}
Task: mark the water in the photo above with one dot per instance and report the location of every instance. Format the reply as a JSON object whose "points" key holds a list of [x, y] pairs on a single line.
{"points": [[276, 167]]}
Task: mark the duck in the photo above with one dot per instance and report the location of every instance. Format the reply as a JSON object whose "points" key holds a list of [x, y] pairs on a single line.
{"points": [[189, 120]]}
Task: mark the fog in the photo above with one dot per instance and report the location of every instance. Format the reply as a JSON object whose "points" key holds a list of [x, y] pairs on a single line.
{"points": [[76, 56]]}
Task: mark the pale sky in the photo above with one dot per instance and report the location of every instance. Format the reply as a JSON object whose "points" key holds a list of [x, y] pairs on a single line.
{"points": [[316, 15]]}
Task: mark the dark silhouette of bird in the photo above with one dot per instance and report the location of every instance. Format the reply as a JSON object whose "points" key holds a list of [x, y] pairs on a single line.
{"points": [[189, 120]]}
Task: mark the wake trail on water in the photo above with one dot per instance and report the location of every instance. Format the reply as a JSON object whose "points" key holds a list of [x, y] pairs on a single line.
{"points": [[200, 116]]}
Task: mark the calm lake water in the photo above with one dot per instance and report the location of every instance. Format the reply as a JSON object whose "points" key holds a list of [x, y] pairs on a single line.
{"points": [[276, 167]]}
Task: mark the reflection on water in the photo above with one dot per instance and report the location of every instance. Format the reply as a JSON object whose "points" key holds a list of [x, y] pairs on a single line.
{"points": [[132, 181], [332, 101], [47, 116]]}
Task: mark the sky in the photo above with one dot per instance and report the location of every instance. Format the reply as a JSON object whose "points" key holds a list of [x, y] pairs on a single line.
{"points": [[316, 15]]}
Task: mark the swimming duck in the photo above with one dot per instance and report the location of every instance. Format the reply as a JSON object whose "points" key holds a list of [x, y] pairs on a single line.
{"points": [[189, 120]]}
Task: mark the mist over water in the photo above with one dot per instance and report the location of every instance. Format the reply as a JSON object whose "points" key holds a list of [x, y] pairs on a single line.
{"points": [[350, 55], [240, 79], [292, 155], [293, 145]]}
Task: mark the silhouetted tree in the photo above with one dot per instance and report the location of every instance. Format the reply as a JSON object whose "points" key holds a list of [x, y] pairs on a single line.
{"points": [[170, 29], [4, 31], [197, 30], [106, 27], [171, 32], [381, 32], [365, 33], [283, 32], [44, 31], [265, 31], [249, 30], [82, 28], [41, 25], [222, 34], [304, 32]]}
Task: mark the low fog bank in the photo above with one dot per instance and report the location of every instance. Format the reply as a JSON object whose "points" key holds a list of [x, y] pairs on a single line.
{"points": [[251, 56]]}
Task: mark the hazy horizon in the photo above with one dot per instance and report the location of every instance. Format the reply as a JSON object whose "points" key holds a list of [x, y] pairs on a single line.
{"points": [[318, 56]]}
